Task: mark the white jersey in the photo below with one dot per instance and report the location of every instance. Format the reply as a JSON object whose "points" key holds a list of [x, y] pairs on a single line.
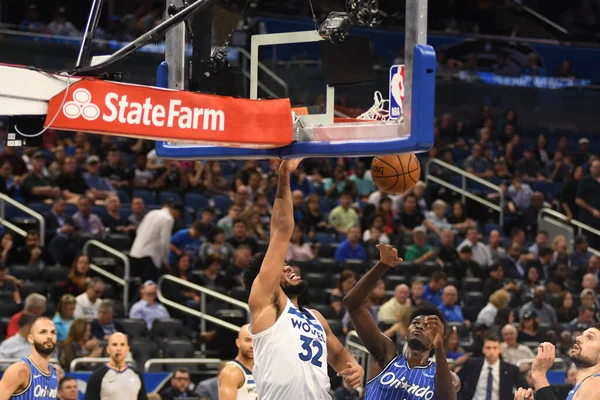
{"points": [[248, 389], [290, 358]]}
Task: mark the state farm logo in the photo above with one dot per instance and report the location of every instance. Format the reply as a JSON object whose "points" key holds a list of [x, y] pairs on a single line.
{"points": [[155, 112], [81, 106]]}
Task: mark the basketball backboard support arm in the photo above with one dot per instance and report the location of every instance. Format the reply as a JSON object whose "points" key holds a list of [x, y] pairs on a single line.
{"points": [[413, 133]]}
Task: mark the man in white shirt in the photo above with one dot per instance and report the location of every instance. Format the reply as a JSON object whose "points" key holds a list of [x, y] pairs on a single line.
{"points": [[18, 346], [86, 304], [513, 351], [490, 378], [495, 246], [481, 254], [150, 250]]}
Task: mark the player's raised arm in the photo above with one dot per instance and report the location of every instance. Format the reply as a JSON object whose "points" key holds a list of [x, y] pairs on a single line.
{"points": [[267, 282], [380, 346], [14, 380]]}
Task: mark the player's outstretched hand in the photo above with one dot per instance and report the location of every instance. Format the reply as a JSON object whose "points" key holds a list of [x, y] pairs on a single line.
{"points": [[435, 330], [544, 359], [290, 165], [353, 374], [524, 394], [388, 255]]}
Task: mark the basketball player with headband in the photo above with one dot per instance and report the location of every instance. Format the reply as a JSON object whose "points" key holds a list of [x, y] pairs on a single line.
{"points": [[585, 355], [408, 376], [292, 345]]}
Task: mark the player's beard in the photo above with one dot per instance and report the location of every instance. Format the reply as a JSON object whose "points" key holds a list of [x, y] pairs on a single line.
{"points": [[42, 349], [416, 345], [295, 290], [581, 361]]}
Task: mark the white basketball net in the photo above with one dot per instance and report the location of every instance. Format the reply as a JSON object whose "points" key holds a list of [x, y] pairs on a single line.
{"points": [[380, 111]]}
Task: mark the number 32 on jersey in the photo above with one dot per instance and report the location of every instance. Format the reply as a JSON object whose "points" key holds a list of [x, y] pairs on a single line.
{"points": [[312, 350]]}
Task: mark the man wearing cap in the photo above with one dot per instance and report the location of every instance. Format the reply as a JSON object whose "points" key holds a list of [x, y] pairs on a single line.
{"points": [[36, 186], [588, 200], [150, 250], [583, 155], [585, 317], [99, 186]]}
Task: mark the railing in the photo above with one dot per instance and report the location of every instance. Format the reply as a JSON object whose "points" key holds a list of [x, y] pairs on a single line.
{"points": [[95, 360], [463, 191], [360, 352], [565, 223], [246, 72], [41, 221], [193, 361], [200, 313], [124, 282]]}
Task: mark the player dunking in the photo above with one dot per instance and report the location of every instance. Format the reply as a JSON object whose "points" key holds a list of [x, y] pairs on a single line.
{"points": [[292, 345], [394, 376], [33, 378]]}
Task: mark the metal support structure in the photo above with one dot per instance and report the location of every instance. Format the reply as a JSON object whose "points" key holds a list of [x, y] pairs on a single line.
{"points": [[564, 222], [190, 361], [84, 59], [415, 33], [175, 52], [40, 219]]}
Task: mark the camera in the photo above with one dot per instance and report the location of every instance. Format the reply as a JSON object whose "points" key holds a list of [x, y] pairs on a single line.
{"points": [[336, 28]]}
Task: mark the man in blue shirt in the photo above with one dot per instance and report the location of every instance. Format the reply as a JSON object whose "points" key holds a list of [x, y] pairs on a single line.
{"points": [[186, 241], [433, 290], [350, 248], [451, 310]]}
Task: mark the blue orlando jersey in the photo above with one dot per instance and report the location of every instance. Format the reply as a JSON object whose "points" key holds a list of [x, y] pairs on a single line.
{"points": [[41, 386], [399, 382], [576, 388]]}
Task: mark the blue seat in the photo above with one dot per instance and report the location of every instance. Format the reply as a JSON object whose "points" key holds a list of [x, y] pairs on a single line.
{"points": [[324, 206], [40, 208], [546, 188], [164, 197], [222, 203], [124, 212], [70, 209], [324, 238], [490, 227], [123, 196], [196, 201], [145, 195], [99, 211], [12, 212]]}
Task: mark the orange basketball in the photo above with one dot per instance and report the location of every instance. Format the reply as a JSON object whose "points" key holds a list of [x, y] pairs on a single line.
{"points": [[396, 174]]}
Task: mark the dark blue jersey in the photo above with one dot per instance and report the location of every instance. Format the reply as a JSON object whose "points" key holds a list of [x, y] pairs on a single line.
{"points": [[398, 381], [41, 386]]}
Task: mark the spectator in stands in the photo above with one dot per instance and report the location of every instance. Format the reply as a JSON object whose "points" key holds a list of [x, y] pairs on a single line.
{"points": [[465, 266], [512, 350], [417, 290], [481, 255], [432, 292], [566, 312], [528, 167], [511, 264], [557, 170], [256, 229], [99, 187], [8, 287], [557, 282], [36, 186], [150, 250], [589, 201], [79, 343], [588, 298], [593, 267], [148, 308], [388, 312], [8, 183], [519, 195], [585, 317], [447, 255], [17, 346], [113, 220], [533, 279], [420, 251], [240, 236], [87, 303], [185, 241], [8, 249], [343, 217], [105, 325], [67, 387], [71, 182], [477, 164], [436, 220], [362, 179], [410, 216], [60, 228], [541, 241], [377, 222], [226, 223], [216, 245], [32, 254], [34, 304], [580, 257], [143, 178], [494, 246], [31, 23], [298, 250], [454, 350], [241, 198], [583, 155], [533, 67], [60, 26], [180, 386], [529, 328], [495, 281], [346, 281], [451, 310], [313, 220], [351, 248], [87, 224], [497, 300], [215, 181], [211, 277], [138, 210], [64, 316], [538, 305], [568, 196], [115, 171], [241, 262], [262, 206], [589, 281], [77, 279]]}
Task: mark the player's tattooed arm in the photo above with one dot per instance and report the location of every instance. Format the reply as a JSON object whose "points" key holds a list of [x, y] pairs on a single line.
{"points": [[381, 347], [445, 381], [14, 380], [267, 283]]}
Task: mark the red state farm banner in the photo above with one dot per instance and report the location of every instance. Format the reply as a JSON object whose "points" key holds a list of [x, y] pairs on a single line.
{"points": [[96, 106]]}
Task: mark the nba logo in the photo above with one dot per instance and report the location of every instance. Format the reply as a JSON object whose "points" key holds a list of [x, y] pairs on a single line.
{"points": [[396, 91]]}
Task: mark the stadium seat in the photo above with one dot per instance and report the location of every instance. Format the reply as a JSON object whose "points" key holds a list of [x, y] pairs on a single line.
{"points": [[146, 195], [391, 281], [135, 327], [119, 310], [51, 274], [327, 265], [40, 208], [358, 266], [221, 203], [70, 209], [326, 250], [179, 349], [263, 245], [461, 329], [109, 291], [167, 328], [123, 196], [196, 201], [315, 279], [472, 285], [324, 238], [475, 299], [8, 309], [336, 326], [118, 241], [325, 310], [100, 211], [25, 272], [317, 295], [240, 294], [164, 197], [30, 287], [304, 266], [143, 350]]}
